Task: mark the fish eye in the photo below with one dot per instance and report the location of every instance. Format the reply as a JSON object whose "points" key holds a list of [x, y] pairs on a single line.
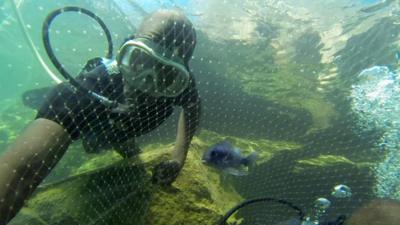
{"points": [[213, 153]]}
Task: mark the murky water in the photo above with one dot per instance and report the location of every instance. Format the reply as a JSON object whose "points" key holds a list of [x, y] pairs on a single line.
{"points": [[320, 74]]}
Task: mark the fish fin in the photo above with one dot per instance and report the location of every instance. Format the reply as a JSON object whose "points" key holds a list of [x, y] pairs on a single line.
{"points": [[237, 150], [35, 98], [226, 144], [236, 172], [251, 159]]}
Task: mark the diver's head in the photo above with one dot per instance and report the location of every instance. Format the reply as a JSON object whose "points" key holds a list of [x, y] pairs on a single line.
{"points": [[170, 29], [155, 62]]}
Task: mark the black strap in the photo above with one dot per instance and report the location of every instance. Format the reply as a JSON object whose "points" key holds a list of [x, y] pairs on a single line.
{"points": [[264, 199], [46, 41]]}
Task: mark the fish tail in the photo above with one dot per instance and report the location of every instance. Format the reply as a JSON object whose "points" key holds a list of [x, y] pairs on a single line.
{"points": [[251, 159]]}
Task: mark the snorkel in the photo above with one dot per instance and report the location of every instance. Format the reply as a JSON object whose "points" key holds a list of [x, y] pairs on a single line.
{"points": [[46, 41]]}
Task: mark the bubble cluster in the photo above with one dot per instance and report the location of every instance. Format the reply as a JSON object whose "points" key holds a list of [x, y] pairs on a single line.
{"points": [[375, 100]]}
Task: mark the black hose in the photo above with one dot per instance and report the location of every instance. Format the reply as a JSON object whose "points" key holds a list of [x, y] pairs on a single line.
{"points": [[46, 41], [265, 199]]}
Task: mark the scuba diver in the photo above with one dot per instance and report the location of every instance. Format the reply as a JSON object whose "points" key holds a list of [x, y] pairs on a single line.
{"points": [[148, 78]]}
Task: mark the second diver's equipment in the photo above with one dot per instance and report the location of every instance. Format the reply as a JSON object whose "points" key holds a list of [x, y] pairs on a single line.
{"points": [[316, 217], [320, 207], [225, 218]]}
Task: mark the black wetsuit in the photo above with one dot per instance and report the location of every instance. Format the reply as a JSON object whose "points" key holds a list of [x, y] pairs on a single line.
{"points": [[84, 117]]}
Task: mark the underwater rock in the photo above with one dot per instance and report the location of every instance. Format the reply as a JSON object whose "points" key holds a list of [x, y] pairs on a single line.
{"points": [[117, 194], [108, 190], [278, 98]]}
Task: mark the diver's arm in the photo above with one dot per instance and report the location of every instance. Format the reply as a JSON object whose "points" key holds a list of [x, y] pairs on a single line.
{"points": [[187, 126], [166, 172], [27, 162]]}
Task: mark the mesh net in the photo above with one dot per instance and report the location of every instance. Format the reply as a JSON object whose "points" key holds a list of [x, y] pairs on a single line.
{"points": [[198, 107]]}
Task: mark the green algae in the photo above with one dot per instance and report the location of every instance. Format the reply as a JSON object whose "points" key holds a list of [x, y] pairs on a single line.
{"points": [[200, 194], [98, 161], [321, 161], [109, 190], [114, 195]]}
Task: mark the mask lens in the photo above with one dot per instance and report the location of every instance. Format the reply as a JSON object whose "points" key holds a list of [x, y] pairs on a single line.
{"points": [[150, 72], [171, 81]]}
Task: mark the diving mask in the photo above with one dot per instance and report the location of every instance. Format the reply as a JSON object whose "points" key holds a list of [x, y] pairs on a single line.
{"points": [[151, 69]]}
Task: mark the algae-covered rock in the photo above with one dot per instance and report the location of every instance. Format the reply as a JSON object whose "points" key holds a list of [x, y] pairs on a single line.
{"points": [[98, 162], [110, 190], [118, 194]]}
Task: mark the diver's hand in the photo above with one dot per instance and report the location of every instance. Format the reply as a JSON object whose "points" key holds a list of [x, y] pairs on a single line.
{"points": [[166, 172]]}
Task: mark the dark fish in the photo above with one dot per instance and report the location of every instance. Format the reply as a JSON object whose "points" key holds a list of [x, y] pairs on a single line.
{"points": [[224, 156], [35, 98]]}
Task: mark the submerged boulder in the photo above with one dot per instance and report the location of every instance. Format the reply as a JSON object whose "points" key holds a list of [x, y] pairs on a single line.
{"points": [[109, 190], [118, 194]]}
